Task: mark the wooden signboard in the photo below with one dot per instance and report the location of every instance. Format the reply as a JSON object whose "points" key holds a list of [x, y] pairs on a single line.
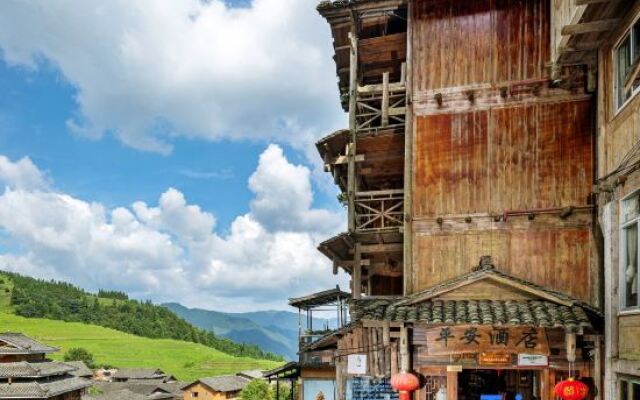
{"points": [[446, 340], [494, 359]]}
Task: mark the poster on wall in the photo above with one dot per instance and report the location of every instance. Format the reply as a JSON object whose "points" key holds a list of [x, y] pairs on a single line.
{"points": [[314, 389], [366, 388], [357, 364]]}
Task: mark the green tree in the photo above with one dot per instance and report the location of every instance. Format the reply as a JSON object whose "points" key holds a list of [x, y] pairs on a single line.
{"points": [[257, 390], [80, 354]]}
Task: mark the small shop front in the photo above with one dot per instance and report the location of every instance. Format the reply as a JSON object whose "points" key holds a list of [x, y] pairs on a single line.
{"points": [[478, 362]]}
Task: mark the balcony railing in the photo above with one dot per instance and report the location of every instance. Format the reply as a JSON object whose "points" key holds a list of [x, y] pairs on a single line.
{"points": [[381, 106], [377, 210]]}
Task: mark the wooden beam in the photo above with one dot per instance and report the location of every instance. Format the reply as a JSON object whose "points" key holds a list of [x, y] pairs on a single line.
{"points": [[384, 120], [353, 101], [356, 278], [407, 231], [581, 47], [382, 248], [590, 27], [587, 2]]}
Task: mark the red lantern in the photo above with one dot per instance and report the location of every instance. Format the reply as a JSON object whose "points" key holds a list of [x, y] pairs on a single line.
{"points": [[571, 390], [405, 383]]}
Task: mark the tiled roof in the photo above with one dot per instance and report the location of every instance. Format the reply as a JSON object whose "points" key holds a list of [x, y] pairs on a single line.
{"points": [[41, 390], [122, 394], [17, 343], [540, 313], [126, 394], [227, 383], [329, 4], [139, 373], [319, 298], [251, 374], [81, 369], [147, 387], [25, 369]]}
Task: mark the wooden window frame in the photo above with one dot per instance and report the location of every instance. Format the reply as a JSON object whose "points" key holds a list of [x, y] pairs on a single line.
{"points": [[630, 380], [634, 65], [623, 255]]}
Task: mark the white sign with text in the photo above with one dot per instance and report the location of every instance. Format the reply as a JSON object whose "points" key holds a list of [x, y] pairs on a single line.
{"points": [[357, 364]]}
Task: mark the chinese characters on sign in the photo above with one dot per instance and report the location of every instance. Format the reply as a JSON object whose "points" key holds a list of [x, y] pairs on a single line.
{"points": [[477, 339]]}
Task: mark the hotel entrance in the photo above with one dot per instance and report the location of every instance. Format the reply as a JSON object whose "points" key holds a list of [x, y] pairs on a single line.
{"points": [[498, 384]]}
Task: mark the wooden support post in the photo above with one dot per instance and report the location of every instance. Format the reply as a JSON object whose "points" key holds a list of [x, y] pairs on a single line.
{"points": [[405, 362], [598, 373], [570, 340], [452, 385], [353, 98], [384, 120], [408, 168], [545, 384], [356, 278]]}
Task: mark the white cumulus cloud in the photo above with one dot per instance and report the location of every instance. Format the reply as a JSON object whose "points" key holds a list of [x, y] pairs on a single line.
{"points": [[170, 251], [22, 174], [149, 70]]}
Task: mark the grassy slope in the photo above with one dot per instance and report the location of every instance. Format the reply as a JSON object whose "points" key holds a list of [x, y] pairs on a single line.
{"points": [[187, 361]]}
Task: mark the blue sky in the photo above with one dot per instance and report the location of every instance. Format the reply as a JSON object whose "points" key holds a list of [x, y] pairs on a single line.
{"points": [[192, 154]]}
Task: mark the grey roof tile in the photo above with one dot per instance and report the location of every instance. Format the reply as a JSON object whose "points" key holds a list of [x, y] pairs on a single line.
{"points": [[42, 390], [540, 313], [226, 383], [17, 343], [25, 369]]}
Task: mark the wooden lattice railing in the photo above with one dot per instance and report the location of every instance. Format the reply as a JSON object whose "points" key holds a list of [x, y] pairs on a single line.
{"points": [[380, 209], [381, 106]]}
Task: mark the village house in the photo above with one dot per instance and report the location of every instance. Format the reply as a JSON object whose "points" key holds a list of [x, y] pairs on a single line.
{"points": [[477, 133], [216, 388], [141, 374], [26, 373]]}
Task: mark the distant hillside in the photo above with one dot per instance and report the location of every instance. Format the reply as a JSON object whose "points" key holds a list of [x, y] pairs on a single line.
{"points": [[272, 331], [34, 298], [187, 361]]}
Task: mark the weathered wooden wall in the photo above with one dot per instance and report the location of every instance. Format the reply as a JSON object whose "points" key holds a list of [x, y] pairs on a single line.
{"points": [[522, 157], [558, 258], [460, 43], [529, 148]]}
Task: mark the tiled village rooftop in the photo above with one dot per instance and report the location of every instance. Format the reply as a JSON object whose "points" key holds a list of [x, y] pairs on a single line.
{"points": [[41, 390], [25, 369], [475, 312], [547, 308], [17, 343]]}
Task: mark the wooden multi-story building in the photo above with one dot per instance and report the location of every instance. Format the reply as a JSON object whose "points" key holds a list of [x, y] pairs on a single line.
{"points": [[468, 170], [26, 373]]}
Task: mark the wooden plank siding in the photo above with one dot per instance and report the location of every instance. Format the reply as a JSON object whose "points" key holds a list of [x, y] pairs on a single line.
{"points": [[474, 162], [462, 43], [526, 157], [558, 258]]}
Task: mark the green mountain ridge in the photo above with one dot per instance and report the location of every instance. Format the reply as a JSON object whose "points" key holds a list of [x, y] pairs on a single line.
{"points": [[33, 298], [273, 331]]}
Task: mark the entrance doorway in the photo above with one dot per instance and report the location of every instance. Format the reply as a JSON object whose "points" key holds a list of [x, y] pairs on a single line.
{"points": [[483, 384]]}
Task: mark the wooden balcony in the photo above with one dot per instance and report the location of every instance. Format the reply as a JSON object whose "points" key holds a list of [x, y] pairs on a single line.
{"points": [[379, 210], [381, 106]]}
